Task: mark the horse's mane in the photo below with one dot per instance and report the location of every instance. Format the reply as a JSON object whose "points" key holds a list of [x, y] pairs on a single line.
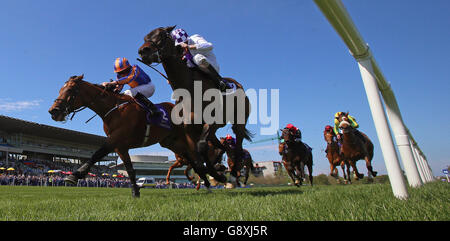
{"points": [[109, 91]]}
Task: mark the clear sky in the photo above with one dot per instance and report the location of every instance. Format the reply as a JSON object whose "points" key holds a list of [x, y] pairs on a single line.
{"points": [[285, 45]]}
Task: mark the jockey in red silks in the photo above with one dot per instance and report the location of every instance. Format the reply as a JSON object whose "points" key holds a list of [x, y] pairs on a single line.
{"points": [[230, 141], [295, 131], [198, 53], [141, 86]]}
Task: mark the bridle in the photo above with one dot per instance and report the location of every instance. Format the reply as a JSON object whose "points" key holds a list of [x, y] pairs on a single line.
{"points": [[67, 104], [160, 51]]}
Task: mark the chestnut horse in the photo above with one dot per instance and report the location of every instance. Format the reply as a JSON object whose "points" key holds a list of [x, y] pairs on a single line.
{"points": [[354, 147], [159, 47], [246, 163], [334, 156], [124, 123], [295, 156]]}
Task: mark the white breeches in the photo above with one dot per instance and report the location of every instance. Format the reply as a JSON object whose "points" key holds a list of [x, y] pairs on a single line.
{"points": [[204, 61], [147, 90]]}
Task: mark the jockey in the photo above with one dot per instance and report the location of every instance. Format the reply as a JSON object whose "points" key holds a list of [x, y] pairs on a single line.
{"points": [[141, 86], [352, 122], [198, 52], [229, 140], [295, 131], [329, 128]]}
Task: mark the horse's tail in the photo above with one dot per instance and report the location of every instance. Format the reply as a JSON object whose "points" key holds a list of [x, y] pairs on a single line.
{"points": [[248, 135]]}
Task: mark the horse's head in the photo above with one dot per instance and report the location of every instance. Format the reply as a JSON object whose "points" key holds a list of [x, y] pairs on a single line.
{"points": [[342, 116], [67, 101], [344, 124], [329, 135], [158, 45], [281, 148], [286, 135]]}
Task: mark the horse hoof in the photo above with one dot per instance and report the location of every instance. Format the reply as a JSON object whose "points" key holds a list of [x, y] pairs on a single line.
{"points": [[71, 180], [136, 194], [229, 186]]}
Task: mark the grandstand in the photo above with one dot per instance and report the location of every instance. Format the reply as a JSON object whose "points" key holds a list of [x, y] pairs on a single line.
{"points": [[31, 143]]}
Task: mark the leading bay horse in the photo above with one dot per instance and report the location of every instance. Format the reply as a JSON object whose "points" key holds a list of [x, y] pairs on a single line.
{"points": [[124, 123], [335, 157], [159, 47], [295, 157], [355, 146]]}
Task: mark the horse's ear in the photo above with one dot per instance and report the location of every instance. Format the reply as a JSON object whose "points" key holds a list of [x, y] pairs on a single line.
{"points": [[170, 28], [78, 78]]}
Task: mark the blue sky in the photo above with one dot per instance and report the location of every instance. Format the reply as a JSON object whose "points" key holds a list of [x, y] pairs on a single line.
{"points": [[285, 45]]}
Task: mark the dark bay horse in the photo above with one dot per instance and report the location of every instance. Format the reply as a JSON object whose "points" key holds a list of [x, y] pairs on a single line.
{"points": [[124, 123], [236, 166], [355, 147], [335, 157], [159, 47], [295, 157]]}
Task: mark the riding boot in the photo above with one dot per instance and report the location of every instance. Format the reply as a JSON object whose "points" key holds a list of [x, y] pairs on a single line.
{"points": [[153, 110], [218, 80]]}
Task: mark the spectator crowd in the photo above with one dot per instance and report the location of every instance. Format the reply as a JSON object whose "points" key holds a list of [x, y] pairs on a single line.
{"points": [[36, 173]]}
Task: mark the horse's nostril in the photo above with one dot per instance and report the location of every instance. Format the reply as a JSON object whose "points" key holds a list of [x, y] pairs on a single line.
{"points": [[143, 50], [53, 111]]}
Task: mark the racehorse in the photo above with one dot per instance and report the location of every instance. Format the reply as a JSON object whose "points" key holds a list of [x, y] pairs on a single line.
{"points": [[355, 146], [335, 157], [159, 47], [246, 163], [124, 123], [295, 156]]}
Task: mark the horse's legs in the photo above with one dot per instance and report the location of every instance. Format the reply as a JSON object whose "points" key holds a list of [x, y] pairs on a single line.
{"points": [[186, 172], [175, 165], [309, 165], [332, 170], [193, 157], [247, 170], [84, 169], [369, 167], [125, 157], [289, 170], [349, 177], [355, 169], [202, 146], [300, 168], [343, 170], [241, 133]]}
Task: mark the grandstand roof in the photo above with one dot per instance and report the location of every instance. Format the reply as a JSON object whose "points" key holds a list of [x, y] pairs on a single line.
{"points": [[13, 125]]}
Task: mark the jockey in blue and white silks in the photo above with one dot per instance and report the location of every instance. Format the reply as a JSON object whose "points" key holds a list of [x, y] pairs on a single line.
{"points": [[199, 53]]}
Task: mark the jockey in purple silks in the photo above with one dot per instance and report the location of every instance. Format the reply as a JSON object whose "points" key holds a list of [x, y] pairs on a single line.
{"points": [[198, 53]]}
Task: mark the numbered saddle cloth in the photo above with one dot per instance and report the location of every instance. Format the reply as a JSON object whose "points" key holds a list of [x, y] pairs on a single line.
{"points": [[162, 120]]}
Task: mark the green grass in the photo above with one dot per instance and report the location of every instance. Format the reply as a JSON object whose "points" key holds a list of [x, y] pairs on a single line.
{"points": [[322, 202]]}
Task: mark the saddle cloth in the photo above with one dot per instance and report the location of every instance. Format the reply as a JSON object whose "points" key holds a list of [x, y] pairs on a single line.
{"points": [[162, 120]]}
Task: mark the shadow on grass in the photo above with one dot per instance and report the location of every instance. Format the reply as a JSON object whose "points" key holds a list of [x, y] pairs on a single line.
{"points": [[257, 192]]}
